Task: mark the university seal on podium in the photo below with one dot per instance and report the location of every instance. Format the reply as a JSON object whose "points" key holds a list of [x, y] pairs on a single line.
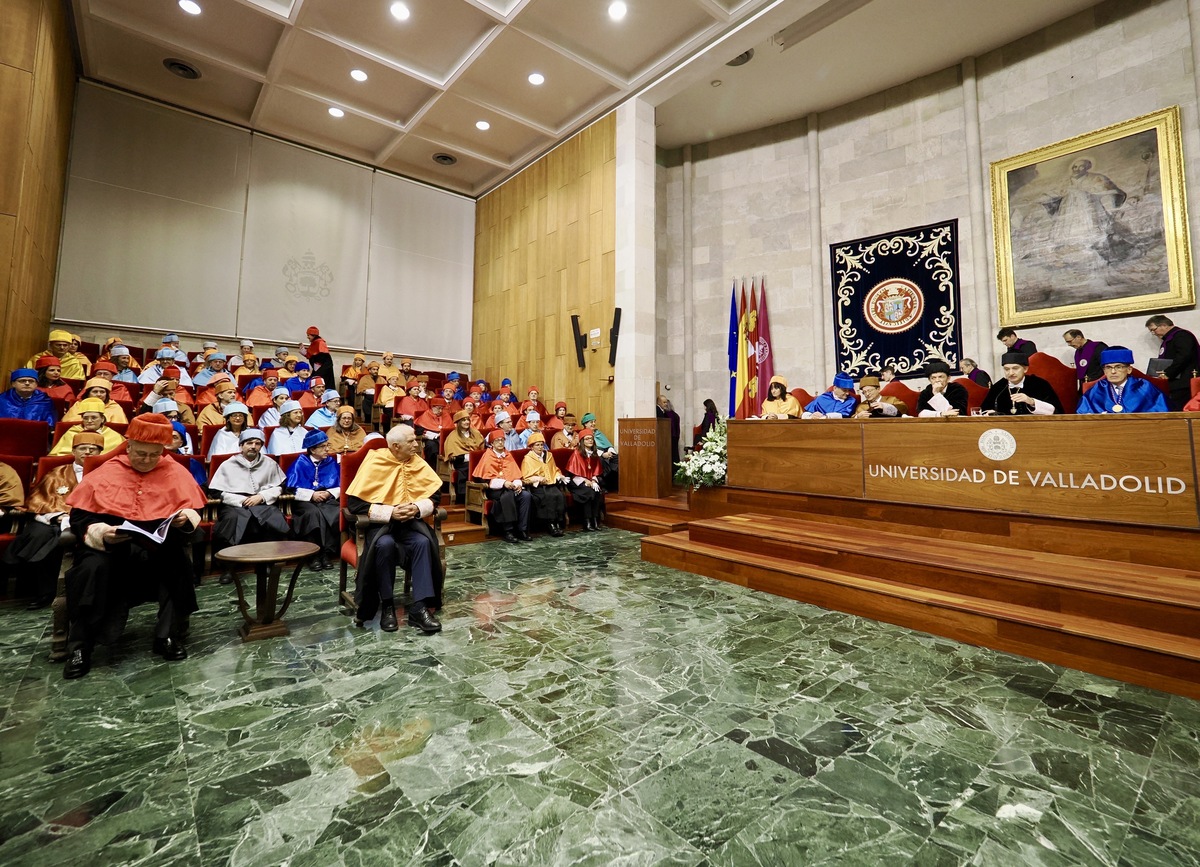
{"points": [[997, 444]]}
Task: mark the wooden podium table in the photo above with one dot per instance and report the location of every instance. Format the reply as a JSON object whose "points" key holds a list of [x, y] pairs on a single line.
{"points": [[645, 448], [1127, 470], [268, 560]]}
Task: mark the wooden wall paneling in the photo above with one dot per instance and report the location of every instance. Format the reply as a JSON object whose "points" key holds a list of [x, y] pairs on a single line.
{"points": [[19, 35], [16, 92]]}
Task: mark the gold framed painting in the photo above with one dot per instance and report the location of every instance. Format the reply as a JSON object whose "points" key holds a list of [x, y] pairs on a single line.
{"points": [[1094, 226]]}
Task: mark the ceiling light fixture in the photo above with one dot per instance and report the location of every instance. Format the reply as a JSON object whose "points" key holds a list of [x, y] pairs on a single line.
{"points": [[536, 78], [181, 68], [400, 11], [617, 10], [482, 125], [445, 159], [716, 82], [191, 7], [336, 112], [358, 75]]}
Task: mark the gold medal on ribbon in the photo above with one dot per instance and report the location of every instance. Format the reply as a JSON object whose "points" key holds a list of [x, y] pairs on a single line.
{"points": [[1118, 408]]}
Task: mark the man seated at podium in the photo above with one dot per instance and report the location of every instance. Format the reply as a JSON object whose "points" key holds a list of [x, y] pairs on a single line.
{"points": [[1119, 392], [877, 405], [941, 398], [1020, 392], [835, 403]]}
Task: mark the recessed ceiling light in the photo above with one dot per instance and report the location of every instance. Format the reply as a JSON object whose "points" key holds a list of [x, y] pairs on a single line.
{"points": [[483, 125], [536, 78], [191, 7], [400, 11], [617, 10], [445, 159], [358, 75], [716, 82], [336, 112]]}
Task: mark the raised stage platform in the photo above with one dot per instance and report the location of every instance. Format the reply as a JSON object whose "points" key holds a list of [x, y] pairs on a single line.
{"points": [[1104, 580]]}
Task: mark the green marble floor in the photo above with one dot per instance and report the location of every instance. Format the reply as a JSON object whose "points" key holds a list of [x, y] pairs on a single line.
{"points": [[582, 707]]}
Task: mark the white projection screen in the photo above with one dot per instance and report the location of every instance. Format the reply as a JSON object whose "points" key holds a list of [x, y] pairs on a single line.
{"points": [[175, 222]]}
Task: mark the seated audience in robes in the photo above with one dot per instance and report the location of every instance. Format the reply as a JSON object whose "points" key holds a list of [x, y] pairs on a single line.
{"points": [[533, 424], [288, 438], [406, 369], [1020, 392], [290, 368], [459, 443], [37, 552], [271, 416], [174, 411], [115, 569], [586, 469], [779, 403], [365, 393], [164, 359], [245, 352], [874, 404], [171, 342], [100, 389], [214, 413], [207, 348], [566, 437], [107, 371], [386, 399], [258, 392], [838, 402], [346, 435], [127, 368], [91, 418], [326, 414], [315, 479], [513, 439], [608, 454], [975, 373], [74, 353], [278, 360], [1087, 356], [706, 422], [248, 485], [245, 365], [50, 379], [1013, 343], [531, 401], [213, 364], [545, 484], [59, 345], [351, 374], [387, 369], [555, 422], [394, 490], [411, 404], [228, 440], [302, 379], [1120, 392], [501, 478], [432, 422], [23, 400], [448, 393], [181, 444], [941, 398]]}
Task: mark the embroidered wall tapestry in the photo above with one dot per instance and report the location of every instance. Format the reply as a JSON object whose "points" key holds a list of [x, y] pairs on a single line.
{"points": [[896, 300]]}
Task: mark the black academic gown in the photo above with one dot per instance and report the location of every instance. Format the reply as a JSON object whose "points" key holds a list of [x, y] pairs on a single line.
{"points": [[999, 397], [366, 589], [955, 394]]}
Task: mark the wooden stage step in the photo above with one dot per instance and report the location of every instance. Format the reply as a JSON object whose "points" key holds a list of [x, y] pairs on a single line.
{"points": [[462, 532], [648, 517], [1119, 620]]}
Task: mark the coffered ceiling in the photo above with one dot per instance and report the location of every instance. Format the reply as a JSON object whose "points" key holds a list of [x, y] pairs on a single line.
{"points": [[428, 82], [279, 66]]}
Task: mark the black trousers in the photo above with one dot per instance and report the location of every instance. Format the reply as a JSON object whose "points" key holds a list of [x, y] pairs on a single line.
{"points": [[510, 507]]}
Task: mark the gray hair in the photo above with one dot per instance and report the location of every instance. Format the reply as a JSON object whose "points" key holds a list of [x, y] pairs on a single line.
{"points": [[397, 433]]}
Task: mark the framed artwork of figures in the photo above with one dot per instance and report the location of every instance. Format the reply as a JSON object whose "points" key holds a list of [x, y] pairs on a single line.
{"points": [[1094, 226]]}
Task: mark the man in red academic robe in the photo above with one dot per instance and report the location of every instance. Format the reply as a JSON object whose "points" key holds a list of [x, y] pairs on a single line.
{"points": [[132, 516]]}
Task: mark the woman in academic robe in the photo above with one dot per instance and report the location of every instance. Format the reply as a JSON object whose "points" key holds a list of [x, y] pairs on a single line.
{"points": [[779, 403], [386, 401], [609, 479], [315, 479], [270, 416], [411, 405], [706, 423], [50, 379], [585, 469], [100, 389], [36, 551], [228, 439], [347, 435], [213, 413], [545, 484], [288, 438], [91, 418]]}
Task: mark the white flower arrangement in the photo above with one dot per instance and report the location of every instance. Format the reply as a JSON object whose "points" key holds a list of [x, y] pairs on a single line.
{"points": [[705, 467]]}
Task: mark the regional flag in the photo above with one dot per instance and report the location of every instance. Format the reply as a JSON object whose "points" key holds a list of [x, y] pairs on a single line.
{"points": [[743, 365], [766, 363]]}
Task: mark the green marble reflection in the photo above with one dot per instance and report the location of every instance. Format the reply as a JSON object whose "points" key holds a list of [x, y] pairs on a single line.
{"points": [[583, 708]]}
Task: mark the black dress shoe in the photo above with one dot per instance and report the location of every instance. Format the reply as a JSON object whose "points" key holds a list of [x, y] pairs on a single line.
{"points": [[509, 537], [524, 537], [556, 530], [387, 619], [170, 648], [40, 602], [77, 666], [226, 577], [599, 525], [421, 617]]}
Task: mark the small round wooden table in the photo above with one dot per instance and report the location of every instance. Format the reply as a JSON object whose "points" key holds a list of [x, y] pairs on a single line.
{"points": [[268, 560]]}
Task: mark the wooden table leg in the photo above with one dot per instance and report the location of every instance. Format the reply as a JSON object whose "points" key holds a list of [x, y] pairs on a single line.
{"points": [[265, 625]]}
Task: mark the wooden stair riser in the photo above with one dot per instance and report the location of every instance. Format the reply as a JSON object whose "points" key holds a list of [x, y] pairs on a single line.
{"points": [[1110, 659], [637, 523], [1144, 614]]}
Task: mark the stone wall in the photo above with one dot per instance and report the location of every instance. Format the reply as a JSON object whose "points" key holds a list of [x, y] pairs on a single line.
{"points": [[910, 155]]}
